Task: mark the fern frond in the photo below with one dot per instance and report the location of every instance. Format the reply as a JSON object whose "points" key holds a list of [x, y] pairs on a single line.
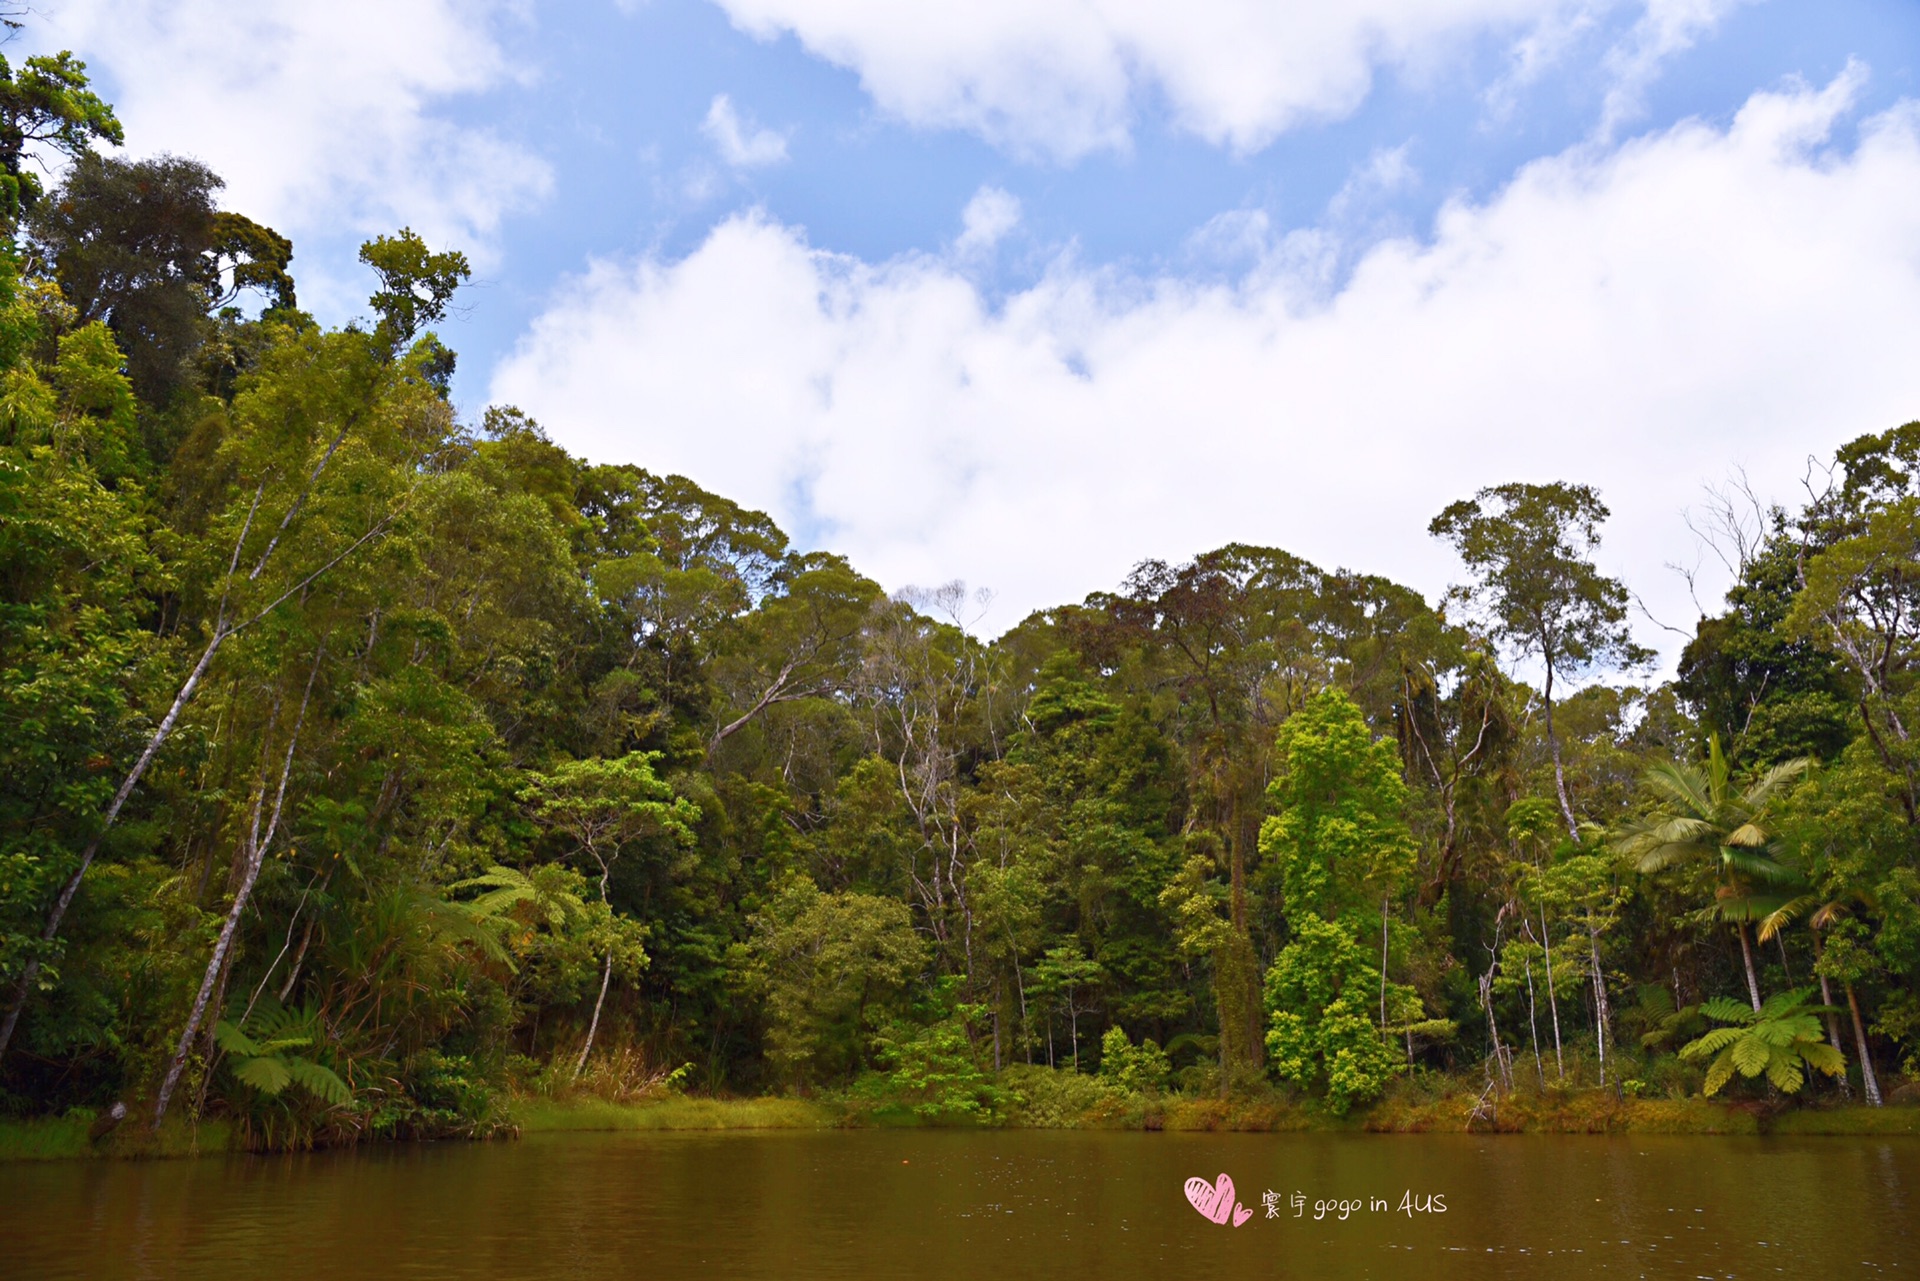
{"points": [[1783, 1070], [318, 1080], [1822, 1057], [1724, 1009], [233, 1040], [1782, 1004], [267, 1074], [1751, 1055], [1712, 1043]]}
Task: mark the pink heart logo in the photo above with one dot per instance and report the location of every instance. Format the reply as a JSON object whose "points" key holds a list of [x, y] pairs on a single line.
{"points": [[1215, 1200]]}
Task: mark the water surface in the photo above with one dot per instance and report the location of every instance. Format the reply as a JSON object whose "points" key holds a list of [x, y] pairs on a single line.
{"points": [[986, 1205]]}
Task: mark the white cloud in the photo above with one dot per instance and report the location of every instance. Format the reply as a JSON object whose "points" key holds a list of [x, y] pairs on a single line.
{"points": [[1666, 29], [1386, 172], [1640, 317], [986, 220], [321, 118], [739, 142], [1067, 77]]}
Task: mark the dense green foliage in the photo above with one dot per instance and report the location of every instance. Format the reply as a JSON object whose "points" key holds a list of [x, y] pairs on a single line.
{"points": [[359, 764]]}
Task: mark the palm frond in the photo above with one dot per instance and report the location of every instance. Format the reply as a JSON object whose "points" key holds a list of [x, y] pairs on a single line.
{"points": [[1784, 915], [1758, 866], [1685, 784], [1775, 779]]}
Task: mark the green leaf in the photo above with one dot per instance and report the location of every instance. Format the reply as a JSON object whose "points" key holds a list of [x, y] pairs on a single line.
{"points": [[1724, 1009], [268, 1075], [1712, 1043], [318, 1080], [233, 1040], [1824, 1058], [1751, 1055], [1784, 1071]]}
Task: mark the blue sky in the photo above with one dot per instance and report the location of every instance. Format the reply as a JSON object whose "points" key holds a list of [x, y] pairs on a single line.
{"points": [[1273, 273]]}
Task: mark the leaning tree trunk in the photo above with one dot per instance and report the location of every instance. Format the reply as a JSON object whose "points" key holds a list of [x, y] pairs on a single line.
{"points": [[606, 972], [606, 977], [254, 853], [224, 630], [23, 987], [1500, 1058], [1868, 1081], [1746, 955]]}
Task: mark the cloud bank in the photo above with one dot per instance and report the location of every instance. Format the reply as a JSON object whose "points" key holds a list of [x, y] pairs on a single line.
{"points": [[1641, 317], [1067, 77], [321, 118]]}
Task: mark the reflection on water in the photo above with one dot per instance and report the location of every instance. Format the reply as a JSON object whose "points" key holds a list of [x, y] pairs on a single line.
{"points": [[991, 1205]]}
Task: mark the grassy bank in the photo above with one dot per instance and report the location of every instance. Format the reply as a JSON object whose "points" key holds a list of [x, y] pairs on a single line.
{"points": [[1574, 1112], [540, 1116], [1582, 1112], [66, 1139]]}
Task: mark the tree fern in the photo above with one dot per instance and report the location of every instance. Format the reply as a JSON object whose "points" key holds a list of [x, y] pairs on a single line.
{"points": [[272, 1048], [1781, 1040]]}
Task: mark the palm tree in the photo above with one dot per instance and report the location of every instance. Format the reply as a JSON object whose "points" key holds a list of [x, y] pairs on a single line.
{"points": [[1702, 820]]}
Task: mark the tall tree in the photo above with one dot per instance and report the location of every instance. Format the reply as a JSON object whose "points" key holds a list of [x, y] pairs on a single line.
{"points": [[1860, 594], [1339, 843], [1530, 549], [46, 104], [601, 808], [141, 246]]}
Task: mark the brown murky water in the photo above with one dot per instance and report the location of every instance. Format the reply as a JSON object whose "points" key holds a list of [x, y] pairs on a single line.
{"points": [[988, 1205]]}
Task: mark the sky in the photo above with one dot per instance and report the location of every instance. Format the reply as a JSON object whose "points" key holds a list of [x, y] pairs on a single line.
{"points": [[1022, 292]]}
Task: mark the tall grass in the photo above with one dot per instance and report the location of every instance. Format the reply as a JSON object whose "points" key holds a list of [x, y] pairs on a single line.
{"points": [[582, 1113]]}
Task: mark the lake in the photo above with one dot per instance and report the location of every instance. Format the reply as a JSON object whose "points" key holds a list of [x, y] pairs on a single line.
{"points": [[1002, 1205]]}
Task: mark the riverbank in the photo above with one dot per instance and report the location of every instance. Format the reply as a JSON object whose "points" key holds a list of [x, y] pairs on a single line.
{"points": [[1581, 1112], [1588, 1112], [69, 1139], [543, 1116]]}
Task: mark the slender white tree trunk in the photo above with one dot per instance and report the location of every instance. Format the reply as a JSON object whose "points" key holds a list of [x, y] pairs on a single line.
{"points": [[606, 977], [23, 987], [254, 853], [1553, 1001], [1602, 1015], [1746, 955], [1383, 966], [1533, 1027], [1553, 746], [1868, 1082]]}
